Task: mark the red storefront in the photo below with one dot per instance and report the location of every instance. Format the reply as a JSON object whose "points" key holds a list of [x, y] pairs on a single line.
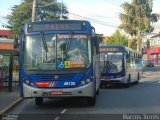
{"points": [[6, 33], [154, 55], [5, 43]]}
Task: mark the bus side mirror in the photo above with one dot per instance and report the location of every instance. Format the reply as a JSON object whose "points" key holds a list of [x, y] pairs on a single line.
{"points": [[95, 41]]}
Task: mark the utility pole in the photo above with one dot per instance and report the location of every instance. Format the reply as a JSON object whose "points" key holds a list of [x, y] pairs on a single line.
{"points": [[10, 71], [34, 11], [61, 17]]}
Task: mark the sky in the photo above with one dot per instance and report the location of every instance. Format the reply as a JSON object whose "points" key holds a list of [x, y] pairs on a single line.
{"points": [[103, 14]]}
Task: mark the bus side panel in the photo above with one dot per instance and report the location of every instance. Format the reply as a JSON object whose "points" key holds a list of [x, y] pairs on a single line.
{"points": [[20, 72], [128, 69], [96, 70]]}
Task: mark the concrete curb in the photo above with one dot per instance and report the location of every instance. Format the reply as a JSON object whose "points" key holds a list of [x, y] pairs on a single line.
{"points": [[11, 106]]}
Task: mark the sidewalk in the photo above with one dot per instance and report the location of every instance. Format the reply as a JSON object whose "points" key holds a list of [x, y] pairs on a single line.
{"points": [[9, 99], [157, 64]]}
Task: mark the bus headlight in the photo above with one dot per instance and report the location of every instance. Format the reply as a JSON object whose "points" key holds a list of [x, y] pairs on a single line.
{"points": [[88, 80], [32, 84], [83, 82], [27, 82]]}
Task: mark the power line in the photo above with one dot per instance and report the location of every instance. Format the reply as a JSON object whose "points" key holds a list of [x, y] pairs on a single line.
{"points": [[104, 17], [113, 2], [2, 18], [97, 21], [1, 21], [91, 21], [52, 3], [118, 2]]}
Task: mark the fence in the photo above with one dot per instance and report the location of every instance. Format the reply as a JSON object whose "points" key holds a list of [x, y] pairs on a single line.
{"points": [[15, 79], [2, 76]]}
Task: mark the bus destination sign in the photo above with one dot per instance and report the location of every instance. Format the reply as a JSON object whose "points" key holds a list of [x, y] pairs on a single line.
{"points": [[36, 27], [110, 49]]}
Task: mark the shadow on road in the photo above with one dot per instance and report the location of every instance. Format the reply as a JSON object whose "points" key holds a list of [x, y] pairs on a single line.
{"points": [[65, 103]]}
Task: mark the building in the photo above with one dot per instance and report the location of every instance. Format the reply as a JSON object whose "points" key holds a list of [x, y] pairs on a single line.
{"points": [[154, 52], [151, 44], [8, 54], [5, 33], [6, 45]]}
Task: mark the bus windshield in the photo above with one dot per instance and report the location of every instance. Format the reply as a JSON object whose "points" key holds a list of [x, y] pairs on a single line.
{"points": [[57, 51], [111, 62]]}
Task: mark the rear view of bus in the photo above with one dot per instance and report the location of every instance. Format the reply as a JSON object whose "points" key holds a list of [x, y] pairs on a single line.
{"points": [[59, 59]]}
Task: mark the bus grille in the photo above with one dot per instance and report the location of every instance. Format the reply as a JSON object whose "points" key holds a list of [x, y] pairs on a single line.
{"points": [[55, 77]]}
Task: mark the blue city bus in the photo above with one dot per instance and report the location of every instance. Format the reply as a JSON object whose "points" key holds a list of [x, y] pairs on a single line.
{"points": [[59, 59], [120, 65]]}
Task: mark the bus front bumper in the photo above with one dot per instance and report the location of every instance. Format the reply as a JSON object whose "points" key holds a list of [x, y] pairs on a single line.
{"points": [[114, 80], [82, 91]]}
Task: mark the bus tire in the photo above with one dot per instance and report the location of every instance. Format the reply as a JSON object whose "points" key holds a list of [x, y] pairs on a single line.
{"points": [[127, 85], [97, 92], [101, 85], [91, 100], [38, 100], [137, 79]]}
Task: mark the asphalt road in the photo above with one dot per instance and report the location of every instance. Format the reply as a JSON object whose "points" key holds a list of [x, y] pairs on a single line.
{"points": [[113, 103]]}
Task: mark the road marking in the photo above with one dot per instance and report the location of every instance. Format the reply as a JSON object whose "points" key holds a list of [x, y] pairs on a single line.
{"points": [[63, 111], [57, 118], [149, 76], [150, 73]]}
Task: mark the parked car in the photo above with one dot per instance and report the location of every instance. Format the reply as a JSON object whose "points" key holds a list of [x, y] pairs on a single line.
{"points": [[149, 63], [143, 63]]}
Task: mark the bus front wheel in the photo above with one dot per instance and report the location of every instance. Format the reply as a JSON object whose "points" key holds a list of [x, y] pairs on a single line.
{"points": [[91, 101], [97, 92], [38, 100], [137, 79], [127, 85]]}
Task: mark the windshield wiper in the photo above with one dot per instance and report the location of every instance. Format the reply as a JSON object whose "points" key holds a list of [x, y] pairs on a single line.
{"points": [[70, 38], [44, 43]]}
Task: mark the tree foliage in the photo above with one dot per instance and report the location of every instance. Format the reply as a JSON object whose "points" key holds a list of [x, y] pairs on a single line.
{"points": [[50, 10], [148, 44], [118, 39], [137, 18], [133, 44], [46, 10]]}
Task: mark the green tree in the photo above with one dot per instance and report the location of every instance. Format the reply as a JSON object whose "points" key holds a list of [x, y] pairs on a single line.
{"points": [[133, 43], [137, 19], [118, 39], [50, 10], [46, 10]]}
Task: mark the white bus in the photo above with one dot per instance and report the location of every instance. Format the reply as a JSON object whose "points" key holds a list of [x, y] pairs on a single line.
{"points": [[120, 64], [59, 59]]}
